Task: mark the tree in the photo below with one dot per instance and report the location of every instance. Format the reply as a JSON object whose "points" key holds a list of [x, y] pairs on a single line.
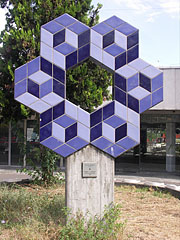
{"points": [[20, 42]]}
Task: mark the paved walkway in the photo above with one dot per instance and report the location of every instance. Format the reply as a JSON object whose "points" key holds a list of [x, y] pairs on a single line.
{"points": [[155, 179]]}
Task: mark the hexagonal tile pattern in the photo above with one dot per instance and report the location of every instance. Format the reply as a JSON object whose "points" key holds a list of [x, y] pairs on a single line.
{"points": [[41, 85]]}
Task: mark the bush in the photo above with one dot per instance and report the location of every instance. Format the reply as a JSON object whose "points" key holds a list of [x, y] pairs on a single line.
{"points": [[97, 228]]}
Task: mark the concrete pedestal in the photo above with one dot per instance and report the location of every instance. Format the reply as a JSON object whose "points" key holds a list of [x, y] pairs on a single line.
{"points": [[170, 147], [89, 194]]}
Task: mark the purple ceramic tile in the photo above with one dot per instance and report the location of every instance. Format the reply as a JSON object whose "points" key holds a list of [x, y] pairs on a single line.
{"points": [[58, 88], [114, 21], [102, 143], [108, 110], [145, 82], [64, 150], [78, 28], [33, 66], [120, 82], [46, 66], [46, 117], [45, 132], [133, 82], [139, 93], [52, 99], [120, 110], [115, 150], [83, 52], [26, 99], [40, 106], [71, 109], [127, 143], [120, 60], [46, 88], [121, 132], [77, 143], [114, 121], [58, 74], [84, 38], [114, 50], [20, 88], [157, 82], [65, 48], [71, 60], [145, 104], [71, 132], [52, 143], [102, 28], [96, 132], [65, 20], [138, 64], [20, 73], [33, 88], [132, 53], [132, 40], [59, 110], [133, 117], [157, 96], [133, 103], [53, 27], [96, 117], [39, 77], [120, 96], [108, 39], [127, 29], [64, 121], [59, 38]]}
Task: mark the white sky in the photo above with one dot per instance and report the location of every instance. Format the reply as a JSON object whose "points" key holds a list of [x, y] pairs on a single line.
{"points": [[158, 22]]}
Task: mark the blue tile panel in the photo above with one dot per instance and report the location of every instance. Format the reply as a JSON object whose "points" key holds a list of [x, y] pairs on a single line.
{"points": [[41, 85]]}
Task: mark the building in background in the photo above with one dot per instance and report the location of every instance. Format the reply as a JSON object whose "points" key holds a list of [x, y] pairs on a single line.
{"points": [[159, 149]]}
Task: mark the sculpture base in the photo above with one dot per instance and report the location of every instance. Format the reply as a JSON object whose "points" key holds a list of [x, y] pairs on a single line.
{"points": [[89, 187]]}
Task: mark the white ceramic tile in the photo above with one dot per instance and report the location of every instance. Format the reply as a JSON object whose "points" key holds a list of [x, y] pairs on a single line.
{"points": [[46, 52], [46, 37], [71, 109], [96, 52], [39, 77], [27, 99], [52, 99], [58, 132], [40, 106], [108, 132], [59, 59], [126, 71], [121, 110], [133, 117], [83, 117], [139, 92], [133, 132], [83, 132], [120, 39], [71, 38], [108, 60], [138, 64], [96, 39]]}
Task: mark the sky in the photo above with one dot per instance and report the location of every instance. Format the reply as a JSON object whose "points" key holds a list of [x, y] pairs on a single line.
{"points": [[158, 22]]}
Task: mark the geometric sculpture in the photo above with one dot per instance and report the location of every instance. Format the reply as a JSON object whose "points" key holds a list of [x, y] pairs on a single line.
{"points": [[41, 85]]}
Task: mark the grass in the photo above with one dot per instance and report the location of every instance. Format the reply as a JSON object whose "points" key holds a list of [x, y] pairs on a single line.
{"points": [[33, 212]]}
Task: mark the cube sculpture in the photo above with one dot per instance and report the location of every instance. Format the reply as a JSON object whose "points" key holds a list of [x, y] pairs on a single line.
{"points": [[41, 85]]}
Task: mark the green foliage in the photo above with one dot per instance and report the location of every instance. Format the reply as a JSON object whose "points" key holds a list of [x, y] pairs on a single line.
{"points": [[106, 228], [44, 174], [20, 43]]}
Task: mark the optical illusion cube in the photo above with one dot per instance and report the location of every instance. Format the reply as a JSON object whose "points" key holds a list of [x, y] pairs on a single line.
{"points": [[41, 85]]}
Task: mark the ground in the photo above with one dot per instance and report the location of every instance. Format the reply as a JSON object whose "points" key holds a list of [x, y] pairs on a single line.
{"points": [[32, 213]]}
